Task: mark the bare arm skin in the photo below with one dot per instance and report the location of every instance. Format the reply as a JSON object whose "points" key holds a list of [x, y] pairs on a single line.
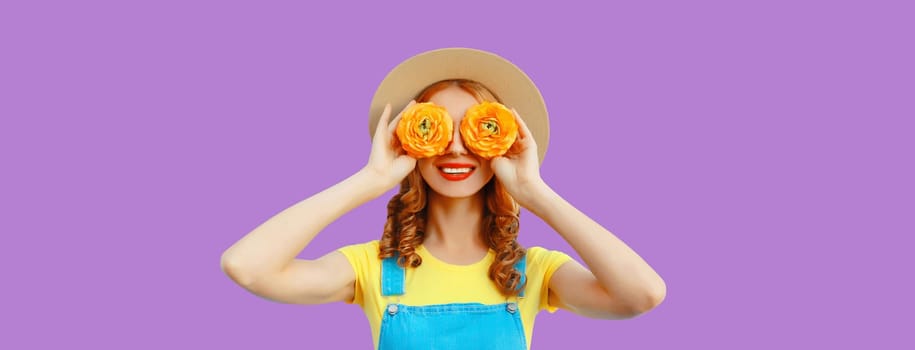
{"points": [[264, 261], [619, 284]]}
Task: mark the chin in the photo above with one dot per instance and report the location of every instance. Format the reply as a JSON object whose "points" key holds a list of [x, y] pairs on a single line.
{"points": [[452, 192]]}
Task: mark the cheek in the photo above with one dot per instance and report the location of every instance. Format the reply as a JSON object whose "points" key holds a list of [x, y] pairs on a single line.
{"points": [[426, 168], [485, 170]]}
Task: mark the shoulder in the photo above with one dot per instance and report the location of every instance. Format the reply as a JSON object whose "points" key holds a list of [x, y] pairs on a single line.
{"points": [[540, 257], [370, 245], [542, 263], [361, 253]]}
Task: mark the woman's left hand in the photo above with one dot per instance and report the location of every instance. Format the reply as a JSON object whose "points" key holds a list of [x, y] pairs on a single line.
{"points": [[519, 168]]}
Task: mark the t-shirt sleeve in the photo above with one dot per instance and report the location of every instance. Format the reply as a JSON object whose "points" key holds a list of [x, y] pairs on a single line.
{"points": [[545, 262], [360, 256]]}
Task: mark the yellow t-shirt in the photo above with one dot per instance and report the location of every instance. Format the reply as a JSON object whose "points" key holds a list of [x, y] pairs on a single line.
{"points": [[437, 282]]}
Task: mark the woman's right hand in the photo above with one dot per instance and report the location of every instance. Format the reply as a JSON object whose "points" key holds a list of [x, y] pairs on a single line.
{"points": [[388, 162]]}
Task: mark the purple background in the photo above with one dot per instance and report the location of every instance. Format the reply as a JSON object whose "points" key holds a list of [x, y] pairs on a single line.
{"points": [[758, 156]]}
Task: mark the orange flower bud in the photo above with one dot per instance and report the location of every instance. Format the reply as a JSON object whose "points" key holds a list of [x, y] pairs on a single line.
{"points": [[489, 129], [425, 130]]}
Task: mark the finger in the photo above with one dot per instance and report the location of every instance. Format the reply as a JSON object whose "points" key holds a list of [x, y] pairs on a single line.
{"points": [[396, 146], [525, 136], [383, 121], [517, 147], [524, 132]]}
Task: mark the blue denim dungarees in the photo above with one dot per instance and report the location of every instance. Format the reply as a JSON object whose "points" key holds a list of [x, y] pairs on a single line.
{"points": [[447, 326]]}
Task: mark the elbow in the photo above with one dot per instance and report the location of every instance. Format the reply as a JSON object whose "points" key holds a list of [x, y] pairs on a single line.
{"points": [[650, 299], [637, 306], [235, 271]]}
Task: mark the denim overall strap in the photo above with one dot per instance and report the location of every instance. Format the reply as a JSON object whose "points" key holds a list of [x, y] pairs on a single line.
{"points": [[521, 267], [392, 277]]}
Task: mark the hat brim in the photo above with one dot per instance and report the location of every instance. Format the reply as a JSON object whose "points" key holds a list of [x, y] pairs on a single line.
{"points": [[503, 78]]}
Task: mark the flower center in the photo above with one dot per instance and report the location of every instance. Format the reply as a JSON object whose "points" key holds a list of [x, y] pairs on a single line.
{"points": [[491, 127], [424, 127]]}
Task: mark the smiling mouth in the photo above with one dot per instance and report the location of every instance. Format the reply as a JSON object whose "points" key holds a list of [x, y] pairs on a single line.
{"points": [[455, 173]]}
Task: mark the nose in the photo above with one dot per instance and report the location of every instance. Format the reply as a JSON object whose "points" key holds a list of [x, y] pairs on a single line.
{"points": [[456, 147]]}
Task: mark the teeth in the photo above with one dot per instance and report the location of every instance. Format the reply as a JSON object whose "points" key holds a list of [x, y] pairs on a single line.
{"points": [[456, 170]]}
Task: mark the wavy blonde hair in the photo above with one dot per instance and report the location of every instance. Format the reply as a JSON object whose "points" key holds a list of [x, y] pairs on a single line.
{"points": [[405, 226]]}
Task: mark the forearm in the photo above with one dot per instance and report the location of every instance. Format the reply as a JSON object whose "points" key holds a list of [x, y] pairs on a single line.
{"points": [[275, 243], [619, 270]]}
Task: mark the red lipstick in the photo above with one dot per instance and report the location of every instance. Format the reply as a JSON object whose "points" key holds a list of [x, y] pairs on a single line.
{"points": [[455, 171]]}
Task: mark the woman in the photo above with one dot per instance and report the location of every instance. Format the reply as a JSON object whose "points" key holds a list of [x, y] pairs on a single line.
{"points": [[448, 272]]}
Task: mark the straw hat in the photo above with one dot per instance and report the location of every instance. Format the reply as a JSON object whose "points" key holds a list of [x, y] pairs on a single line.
{"points": [[503, 78]]}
